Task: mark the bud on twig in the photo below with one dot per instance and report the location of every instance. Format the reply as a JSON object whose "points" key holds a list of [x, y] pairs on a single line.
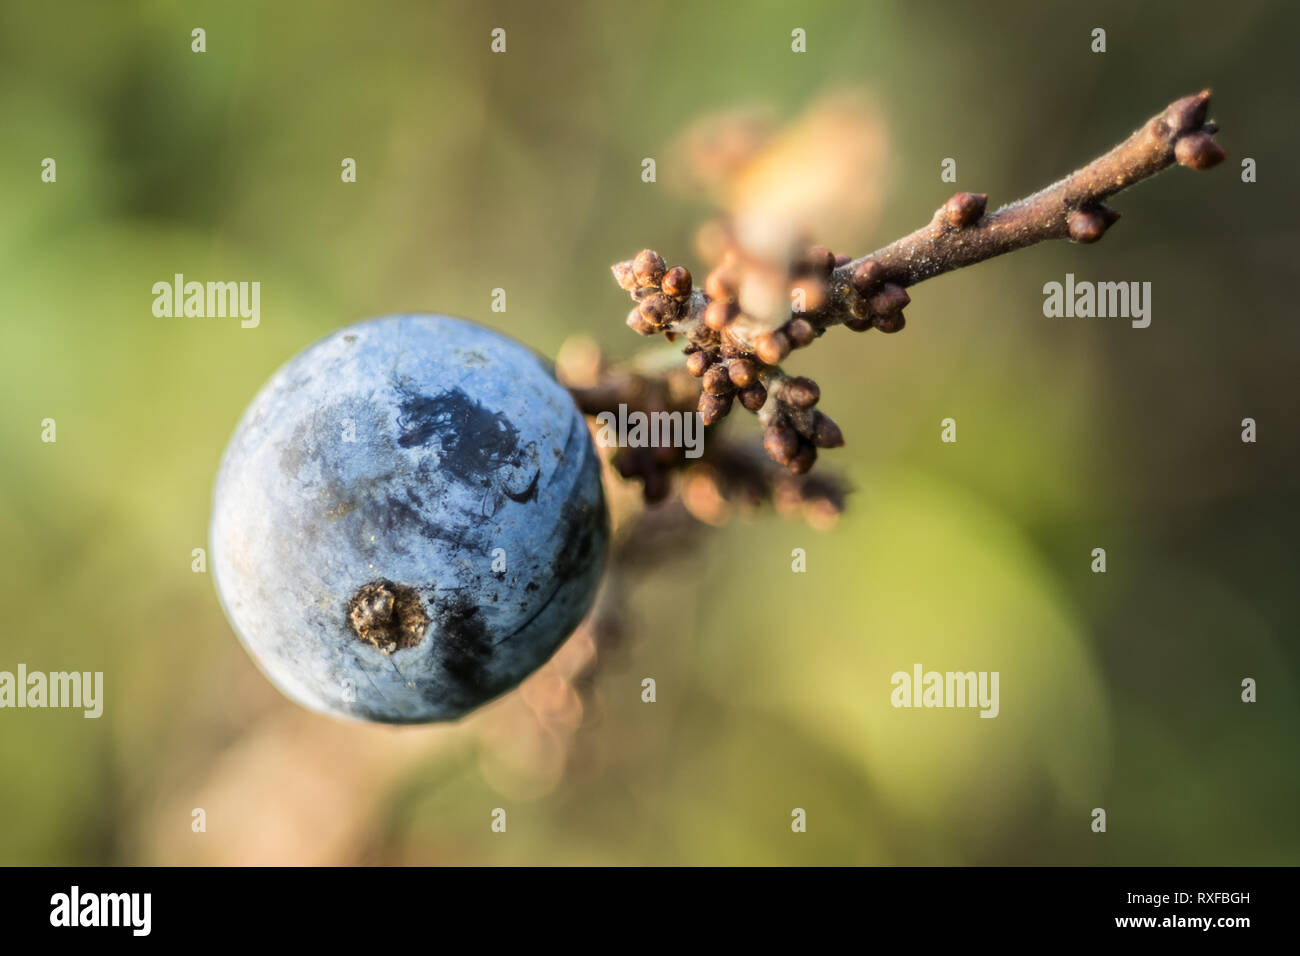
{"points": [[964, 208], [648, 267], [772, 347]]}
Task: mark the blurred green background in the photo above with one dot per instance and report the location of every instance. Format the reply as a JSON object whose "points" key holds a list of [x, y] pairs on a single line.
{"points": [[522, 171]]}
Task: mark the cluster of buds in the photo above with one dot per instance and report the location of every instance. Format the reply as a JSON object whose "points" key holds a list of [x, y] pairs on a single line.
{"points": [[875, 303], [736, 356], [597, 387], [739, 327], [662, 295]]}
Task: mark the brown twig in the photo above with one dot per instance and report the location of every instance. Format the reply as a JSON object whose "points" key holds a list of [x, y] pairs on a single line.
{"points": [[735, 346], [1074, 208]]}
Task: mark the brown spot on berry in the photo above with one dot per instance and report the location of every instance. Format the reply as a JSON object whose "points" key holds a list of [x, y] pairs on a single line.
{"points": [[387, 616]]}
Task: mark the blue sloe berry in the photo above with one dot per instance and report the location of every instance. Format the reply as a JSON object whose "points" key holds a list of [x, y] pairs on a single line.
{"points": [[408, 521]]}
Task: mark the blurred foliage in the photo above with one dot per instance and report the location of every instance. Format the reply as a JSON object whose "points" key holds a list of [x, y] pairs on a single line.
{"points": [[521, 171]]}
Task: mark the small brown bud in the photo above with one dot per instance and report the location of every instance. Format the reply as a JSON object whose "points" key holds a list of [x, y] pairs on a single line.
{"points": [[637, 323], [781, 441], [677, 282], [1189, 112], [1198, 151], [659, 310], [867, 276], [893, 322], [858, 323], [1088, 225], [826, 434], [717, 381], [719, 314], [648, 267], [771, 347], [803, 459], [890, 298], [721, 283], [697, 363], [800, 332], [742, 372], [842, 260], [801, 392], [753, 397], [807, 295], [713, 408], [624, 276], [964, 208], [820, 260]]}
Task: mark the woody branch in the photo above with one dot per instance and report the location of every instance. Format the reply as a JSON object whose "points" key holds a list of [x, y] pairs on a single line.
{"points": [[735, 348]]}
